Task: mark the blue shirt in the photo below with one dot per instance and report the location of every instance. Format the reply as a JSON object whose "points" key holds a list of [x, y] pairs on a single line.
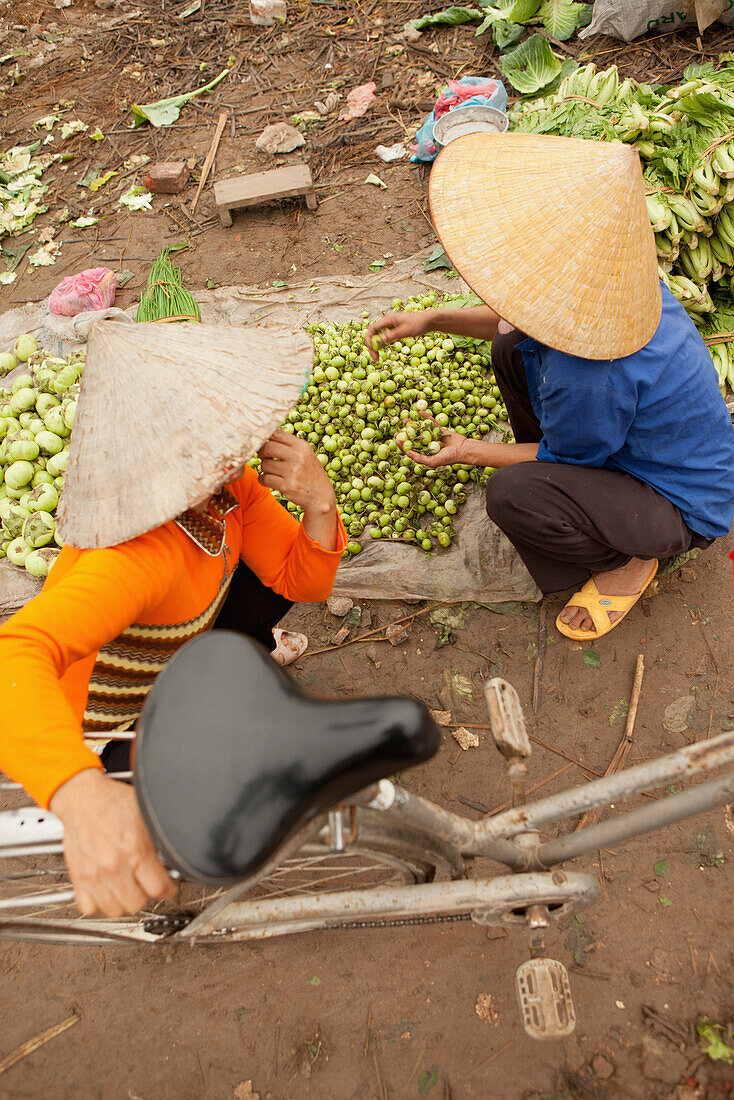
{"points": [[657, 415]]}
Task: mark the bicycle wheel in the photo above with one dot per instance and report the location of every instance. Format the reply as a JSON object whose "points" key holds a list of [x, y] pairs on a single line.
{"points": [[36, 901]]}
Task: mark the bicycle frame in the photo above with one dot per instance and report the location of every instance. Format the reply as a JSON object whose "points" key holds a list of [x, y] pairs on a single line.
{"points": [[509, 838], [492, 837]]}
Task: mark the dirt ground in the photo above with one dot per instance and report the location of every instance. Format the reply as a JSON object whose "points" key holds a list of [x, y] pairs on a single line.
{"points": [[416, 1011], [394, 1012]]}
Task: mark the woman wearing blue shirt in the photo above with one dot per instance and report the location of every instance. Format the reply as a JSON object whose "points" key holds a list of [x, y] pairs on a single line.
{"points": [[624, 449]]}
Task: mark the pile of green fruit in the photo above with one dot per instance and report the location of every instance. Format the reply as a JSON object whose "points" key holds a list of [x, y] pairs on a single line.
{"points": [[36, 418], [356, 411]]}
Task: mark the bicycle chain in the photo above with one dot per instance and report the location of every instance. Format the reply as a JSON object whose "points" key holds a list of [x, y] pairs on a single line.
{"points": [[397, 922], [164, 927], [400, 922], [167, 926]]}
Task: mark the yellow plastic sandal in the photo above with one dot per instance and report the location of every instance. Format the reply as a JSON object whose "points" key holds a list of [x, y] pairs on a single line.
{"points": [[598, 607]]}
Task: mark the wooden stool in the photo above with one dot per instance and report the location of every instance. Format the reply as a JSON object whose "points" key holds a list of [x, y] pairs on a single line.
{"points": [[281, 183]]}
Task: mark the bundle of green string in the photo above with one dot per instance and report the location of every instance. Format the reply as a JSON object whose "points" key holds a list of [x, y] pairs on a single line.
{"points": [[165, 297]]}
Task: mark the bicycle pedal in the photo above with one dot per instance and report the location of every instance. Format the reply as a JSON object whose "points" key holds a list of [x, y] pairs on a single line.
{"points": [[544, 994], [507, 719]]}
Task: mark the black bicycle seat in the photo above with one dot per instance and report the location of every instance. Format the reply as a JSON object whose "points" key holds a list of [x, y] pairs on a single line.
{"points": [[233, 758]]}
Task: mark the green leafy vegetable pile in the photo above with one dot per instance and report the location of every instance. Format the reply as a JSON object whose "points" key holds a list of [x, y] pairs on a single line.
{"points": [[506, 19], [36, 418], [685, 137], [354, 410], [561, 18]]}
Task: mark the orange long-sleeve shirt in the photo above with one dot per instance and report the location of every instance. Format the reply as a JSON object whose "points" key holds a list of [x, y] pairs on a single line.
{"points": [[156, 590]]}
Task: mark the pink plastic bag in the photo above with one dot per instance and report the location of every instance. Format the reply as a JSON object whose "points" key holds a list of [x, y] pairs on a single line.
{"points": [[358, 100], [92, 289], [458, 92]]}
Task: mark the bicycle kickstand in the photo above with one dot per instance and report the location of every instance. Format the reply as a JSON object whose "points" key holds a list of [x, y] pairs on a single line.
{"points": [[542, 985]]}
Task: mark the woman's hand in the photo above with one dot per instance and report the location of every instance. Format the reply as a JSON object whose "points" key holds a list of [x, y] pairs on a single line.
{"points": [[398, 326], [109, 854], [290, 466], [454, 449]]}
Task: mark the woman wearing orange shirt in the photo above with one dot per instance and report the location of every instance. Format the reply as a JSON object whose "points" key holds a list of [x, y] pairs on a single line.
{"points": [[82, 656]]}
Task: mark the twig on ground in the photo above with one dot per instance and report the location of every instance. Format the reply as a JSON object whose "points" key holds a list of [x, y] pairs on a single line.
{"points": [[490, 1059], [276, 1049], [478, 806], [221, 123], [33, 1044], [414, 1070], [538, 672], [372, 633], [536, 787], [619, 759], [693, 959], [601, 875], [558, 752], [712, 962], [379, 1075]]}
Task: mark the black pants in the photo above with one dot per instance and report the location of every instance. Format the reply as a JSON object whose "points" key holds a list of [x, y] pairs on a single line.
{"points": [[250, 608], [567, 522]]}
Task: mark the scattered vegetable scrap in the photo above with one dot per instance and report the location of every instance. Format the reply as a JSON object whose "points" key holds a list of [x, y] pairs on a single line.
{"points": [[166, 111], [715, 1040], [21, 191], [69, 129], [45, 256], [136, 198]]}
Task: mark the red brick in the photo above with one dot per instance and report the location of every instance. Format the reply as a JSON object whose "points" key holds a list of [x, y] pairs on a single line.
{"points": [[167, 178]]}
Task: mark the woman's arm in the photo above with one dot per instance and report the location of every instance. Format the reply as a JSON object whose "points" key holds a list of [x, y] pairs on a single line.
{"points": [[110, 856], [290, 466], [297, 560], [478, 322], [456, 449], [99, 594]]}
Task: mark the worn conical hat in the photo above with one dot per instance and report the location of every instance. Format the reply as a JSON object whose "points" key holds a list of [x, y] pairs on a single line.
{"points": [[553, 234], [164, 412]]}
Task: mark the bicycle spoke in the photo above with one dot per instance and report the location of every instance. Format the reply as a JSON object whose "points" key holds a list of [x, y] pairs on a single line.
{"points": [[326, 873], [31, 885]]}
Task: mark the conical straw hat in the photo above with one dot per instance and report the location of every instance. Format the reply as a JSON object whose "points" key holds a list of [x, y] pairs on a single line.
{"points": [[552, 233], [164, 411]]}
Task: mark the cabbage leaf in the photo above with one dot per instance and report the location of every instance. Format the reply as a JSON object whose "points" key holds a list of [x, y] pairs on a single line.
{"points": [[531, 66], [562, 18], [451, 17], [165, 111]]}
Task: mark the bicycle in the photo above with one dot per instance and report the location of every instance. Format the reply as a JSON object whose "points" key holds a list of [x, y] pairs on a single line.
{"points": [[283, 819]]}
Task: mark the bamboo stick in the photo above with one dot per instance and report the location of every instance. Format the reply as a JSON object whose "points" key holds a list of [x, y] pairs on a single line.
{"points": [[619, 759], [221, 123]]}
